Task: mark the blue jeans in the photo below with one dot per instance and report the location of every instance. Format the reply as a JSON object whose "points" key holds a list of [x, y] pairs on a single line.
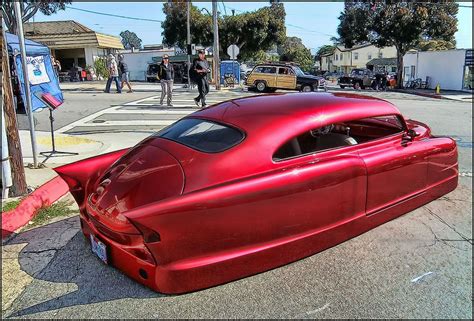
{"points": [[109, 82]]}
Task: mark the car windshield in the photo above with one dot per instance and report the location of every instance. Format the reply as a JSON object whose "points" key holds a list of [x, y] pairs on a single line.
{"points": [[203, 135], [357, 72], [298, 71]]}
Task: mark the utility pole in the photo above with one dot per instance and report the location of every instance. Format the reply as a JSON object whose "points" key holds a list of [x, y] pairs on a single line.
{"points": [[215, 49], [29, 109], [19, 186], [188, 35]]}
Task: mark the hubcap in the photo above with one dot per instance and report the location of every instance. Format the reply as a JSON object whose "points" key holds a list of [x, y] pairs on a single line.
{"points": [[260, 86], [306, 88]]}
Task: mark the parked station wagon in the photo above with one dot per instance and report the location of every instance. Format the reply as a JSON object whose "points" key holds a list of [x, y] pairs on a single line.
{"points": [[254, 183], [272, 76]]}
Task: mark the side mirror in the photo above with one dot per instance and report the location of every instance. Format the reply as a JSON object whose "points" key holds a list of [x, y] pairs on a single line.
{"points": [[409, 136]]}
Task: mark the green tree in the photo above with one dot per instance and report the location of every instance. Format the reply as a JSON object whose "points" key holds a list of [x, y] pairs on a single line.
{"points": [[250, 31], [436, 45], [401, 24], [294, 50], [29, 8], [130, 40], [323, 50]]}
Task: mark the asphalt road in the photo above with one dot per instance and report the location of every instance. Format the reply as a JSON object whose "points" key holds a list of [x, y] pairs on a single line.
{"points": [[417, 266]]}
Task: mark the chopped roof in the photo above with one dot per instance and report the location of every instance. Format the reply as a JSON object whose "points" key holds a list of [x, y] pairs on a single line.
{"points": [[256, 114]]}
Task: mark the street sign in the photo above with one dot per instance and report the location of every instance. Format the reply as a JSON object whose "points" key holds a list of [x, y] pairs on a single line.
{"points": [[233, 51]]}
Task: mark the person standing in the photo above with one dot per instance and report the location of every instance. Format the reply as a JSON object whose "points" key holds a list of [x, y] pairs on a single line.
{"points": [[56, 65], [124, 74], [201, 69], [113, 74], [166, 75]]}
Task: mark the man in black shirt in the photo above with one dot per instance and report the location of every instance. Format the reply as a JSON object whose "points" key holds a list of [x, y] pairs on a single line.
{"points": [[201, 69]]}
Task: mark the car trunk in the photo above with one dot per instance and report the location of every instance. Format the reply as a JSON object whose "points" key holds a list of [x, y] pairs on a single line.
{"points": [[143, 175]]}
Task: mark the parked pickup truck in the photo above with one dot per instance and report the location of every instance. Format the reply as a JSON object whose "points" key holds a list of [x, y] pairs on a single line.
{"points": [[358, 78]]}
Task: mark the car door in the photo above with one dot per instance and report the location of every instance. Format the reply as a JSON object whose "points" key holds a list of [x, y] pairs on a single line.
{"points": [[286, 78], [324, 189], [396, 168], [263, 73]]}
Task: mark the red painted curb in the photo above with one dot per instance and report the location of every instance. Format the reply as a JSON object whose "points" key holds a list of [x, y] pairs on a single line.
{"points": [[44, 195]]}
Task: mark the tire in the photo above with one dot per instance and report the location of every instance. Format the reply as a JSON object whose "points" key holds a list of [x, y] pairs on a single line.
{"points": [[260, 86], [342, 87], [306, 88]]}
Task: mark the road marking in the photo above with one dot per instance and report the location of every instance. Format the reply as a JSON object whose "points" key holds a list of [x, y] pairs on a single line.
{"points": [[415, 280], [318, 310], [134, 122]]}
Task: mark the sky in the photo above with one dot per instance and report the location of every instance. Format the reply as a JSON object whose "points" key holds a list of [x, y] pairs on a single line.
{"points": [[314, 22]]}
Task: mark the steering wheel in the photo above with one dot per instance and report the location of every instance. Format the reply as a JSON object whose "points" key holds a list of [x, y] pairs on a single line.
{"points": [[322, 130]]}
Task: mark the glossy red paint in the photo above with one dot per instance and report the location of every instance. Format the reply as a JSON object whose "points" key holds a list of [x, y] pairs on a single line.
{"points": [[188, 220]]}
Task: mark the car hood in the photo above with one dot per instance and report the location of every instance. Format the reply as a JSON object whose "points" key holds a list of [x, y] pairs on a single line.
{"points": [[310, 78], [144, 175]]}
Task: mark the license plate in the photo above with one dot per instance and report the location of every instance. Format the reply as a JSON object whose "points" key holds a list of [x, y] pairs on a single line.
{"points": [[99, 248]]}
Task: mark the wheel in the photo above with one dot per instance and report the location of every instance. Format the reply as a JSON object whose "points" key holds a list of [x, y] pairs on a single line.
{"points": [[306, 88], [261, 86], [357, 86], [342, 87]]}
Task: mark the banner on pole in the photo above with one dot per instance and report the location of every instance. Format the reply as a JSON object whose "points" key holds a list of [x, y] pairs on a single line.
{"points": [[37, 70]]}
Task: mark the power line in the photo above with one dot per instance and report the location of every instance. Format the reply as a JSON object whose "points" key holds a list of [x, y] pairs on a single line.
{"points": [[114, 15]]}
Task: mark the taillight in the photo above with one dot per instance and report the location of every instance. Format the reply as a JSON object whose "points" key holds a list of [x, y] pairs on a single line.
{"points": [[149, 235]]}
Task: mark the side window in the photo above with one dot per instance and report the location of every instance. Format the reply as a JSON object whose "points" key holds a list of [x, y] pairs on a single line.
{"points": [[284, 71], [270, 70], [339, 135], [259, 69]]}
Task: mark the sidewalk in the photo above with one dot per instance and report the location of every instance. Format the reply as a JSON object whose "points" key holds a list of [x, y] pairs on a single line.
{"points": [[444, 94], [99, 86]]}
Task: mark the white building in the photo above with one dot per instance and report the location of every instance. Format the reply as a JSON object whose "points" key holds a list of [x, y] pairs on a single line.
{"points": [[138, 61], [451, 69], [346, 59]]}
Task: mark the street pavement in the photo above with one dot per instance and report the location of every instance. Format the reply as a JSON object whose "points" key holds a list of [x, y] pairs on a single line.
{"points": [[417, 266]]}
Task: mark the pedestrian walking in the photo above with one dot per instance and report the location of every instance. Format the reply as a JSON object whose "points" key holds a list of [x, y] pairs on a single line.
{"points": [[113, 74], [166, 75], [201, 69], [124, 74]]}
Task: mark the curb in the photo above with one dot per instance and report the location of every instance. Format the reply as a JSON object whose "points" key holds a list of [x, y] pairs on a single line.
{"points": [[436, 96], [44, 195]]}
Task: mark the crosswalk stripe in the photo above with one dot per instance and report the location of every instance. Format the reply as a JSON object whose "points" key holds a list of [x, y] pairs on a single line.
{"points": [[130, 123]]}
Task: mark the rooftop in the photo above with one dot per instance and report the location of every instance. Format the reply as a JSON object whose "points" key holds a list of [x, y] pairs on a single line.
{"points": [[58, 35]]}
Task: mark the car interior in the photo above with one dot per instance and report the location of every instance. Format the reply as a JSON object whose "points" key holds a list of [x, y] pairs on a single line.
{"points": [[339, 135]]}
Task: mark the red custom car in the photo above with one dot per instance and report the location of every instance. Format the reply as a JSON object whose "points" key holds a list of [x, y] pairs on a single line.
{"points": [[254, 183]]}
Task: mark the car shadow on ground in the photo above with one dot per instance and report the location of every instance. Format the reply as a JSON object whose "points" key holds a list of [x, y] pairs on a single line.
{"points": [[60, 254]]}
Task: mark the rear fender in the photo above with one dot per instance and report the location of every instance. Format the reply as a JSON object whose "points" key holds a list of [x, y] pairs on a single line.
{"points": [[80, 176]]}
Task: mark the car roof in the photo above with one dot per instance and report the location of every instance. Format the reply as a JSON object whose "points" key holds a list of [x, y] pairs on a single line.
{"points": [[285, 113], [278, 64]]}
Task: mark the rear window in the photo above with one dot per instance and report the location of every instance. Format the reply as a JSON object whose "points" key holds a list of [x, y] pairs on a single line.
{"points": [[204, 135]]}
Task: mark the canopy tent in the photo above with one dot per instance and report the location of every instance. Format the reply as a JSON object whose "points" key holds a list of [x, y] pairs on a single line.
{"points": [[42, 77]]}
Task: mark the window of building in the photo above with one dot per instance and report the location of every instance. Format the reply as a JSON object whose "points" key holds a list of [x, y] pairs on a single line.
{"points": [[356, 55], [335, 57], [340, 56], [369, 55], [339, 135], [380, 54]]}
